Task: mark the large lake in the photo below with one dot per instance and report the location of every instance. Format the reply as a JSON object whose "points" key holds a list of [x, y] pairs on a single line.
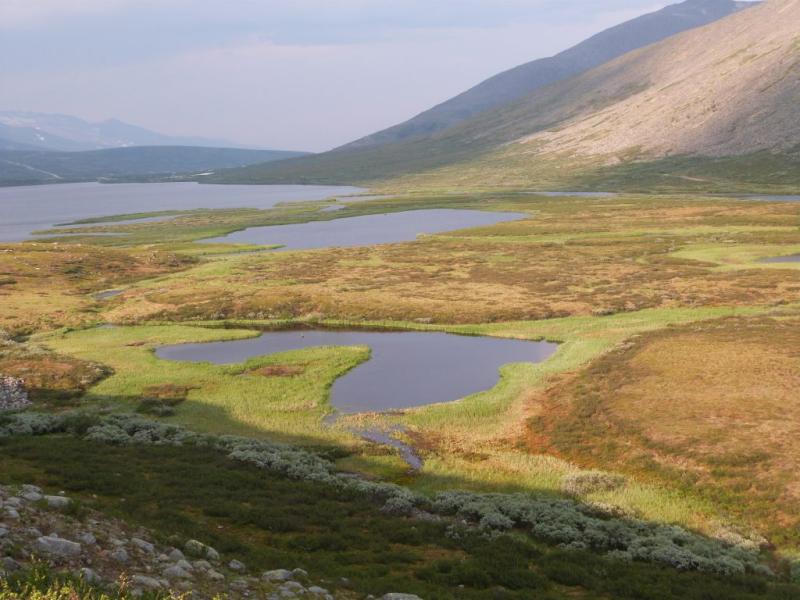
{"points": [[31, 208], [367, 230], [405, 369]]}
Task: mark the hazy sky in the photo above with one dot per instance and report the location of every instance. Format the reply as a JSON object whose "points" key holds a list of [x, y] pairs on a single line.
{"points": [[292, 74]]}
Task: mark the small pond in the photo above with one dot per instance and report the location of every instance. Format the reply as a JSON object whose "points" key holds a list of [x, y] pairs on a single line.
{"points": [[781, 259], [405, 369], [366, 230]]}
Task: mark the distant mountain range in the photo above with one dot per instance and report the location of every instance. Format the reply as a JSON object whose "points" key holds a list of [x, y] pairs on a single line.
{"points": [[25, 167], [27, 130], [498, 115], [45, 148]]}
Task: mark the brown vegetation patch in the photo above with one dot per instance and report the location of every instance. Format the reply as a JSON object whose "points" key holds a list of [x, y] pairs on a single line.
{"points": [[50, 377], [52, 282], [279, 371], [713, 406], [575, 258]]}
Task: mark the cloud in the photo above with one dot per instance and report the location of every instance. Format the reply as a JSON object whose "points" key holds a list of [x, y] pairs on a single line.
{"points": [[307, 74], [39, 13]]}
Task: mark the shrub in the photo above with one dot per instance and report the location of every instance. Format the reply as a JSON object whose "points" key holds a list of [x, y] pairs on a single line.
{"points": [[579, 484]]}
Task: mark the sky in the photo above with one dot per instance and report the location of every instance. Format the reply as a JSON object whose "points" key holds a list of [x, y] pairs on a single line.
{"points": [[286, 74]]}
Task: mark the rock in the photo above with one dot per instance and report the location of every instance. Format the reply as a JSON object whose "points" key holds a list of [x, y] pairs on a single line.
{"points": [[13, 502], [293, 586], [143, 545], [57, 547], [89, 576], [12, 513], [59, 502], [317, 591], [3, 532], [33, 532], [236, 565], [145, 582], [176, 555], [277, 575], [215, 575], [396, 596], [120, 555], [175, 572], [300, 573], [31, 496], [13, 395], [10, 565], [240, 585], [195, 548], [184, 564], [201, 565], [87, 538]]}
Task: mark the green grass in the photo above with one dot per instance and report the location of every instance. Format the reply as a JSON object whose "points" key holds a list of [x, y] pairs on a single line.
{"points": [[222, 399]]}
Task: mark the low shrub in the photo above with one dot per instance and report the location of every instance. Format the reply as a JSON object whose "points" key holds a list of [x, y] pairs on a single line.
{"points": [[587, 482]]}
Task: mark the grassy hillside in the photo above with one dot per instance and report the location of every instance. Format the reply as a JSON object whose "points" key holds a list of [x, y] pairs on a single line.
{"points": [[25, 167]]}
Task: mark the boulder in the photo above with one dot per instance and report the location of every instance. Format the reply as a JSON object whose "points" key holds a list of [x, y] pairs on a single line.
{"points": [[397, 596], [145, 582], [277, 575], [13, 395], [57, 547], [236, 565], [175, 572], [143, 545], [59, 502], [120, 555]]}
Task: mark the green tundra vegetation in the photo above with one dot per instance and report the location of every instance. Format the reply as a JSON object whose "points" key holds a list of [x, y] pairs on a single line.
{"points": [[670, 400]]}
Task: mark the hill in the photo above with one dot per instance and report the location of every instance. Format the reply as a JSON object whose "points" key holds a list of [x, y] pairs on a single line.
{"points": [[520, 81], [712, 108], [28, 167]]}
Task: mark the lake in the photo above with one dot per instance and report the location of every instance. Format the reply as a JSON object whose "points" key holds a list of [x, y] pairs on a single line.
{"points": [[30, 208], [366, 230], [406, 369]]}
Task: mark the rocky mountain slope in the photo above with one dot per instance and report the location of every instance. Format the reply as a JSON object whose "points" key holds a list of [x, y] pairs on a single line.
{"points": [[520, 81], [728, 89], [725, 90]]}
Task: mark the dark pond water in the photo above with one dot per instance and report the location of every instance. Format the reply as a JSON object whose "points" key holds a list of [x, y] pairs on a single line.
{"points": [[107, 294], [366, 230], [31, 208], [782, 259], [405, 369]]}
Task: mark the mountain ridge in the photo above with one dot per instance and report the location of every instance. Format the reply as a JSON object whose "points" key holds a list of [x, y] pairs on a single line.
{"points": [[59, 132], [519, 81]]}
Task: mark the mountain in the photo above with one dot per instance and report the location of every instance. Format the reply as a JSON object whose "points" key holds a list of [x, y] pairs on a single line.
{"points": [[24, 167], [387, 155], [516, 83], [712, 108], [67, 133]]}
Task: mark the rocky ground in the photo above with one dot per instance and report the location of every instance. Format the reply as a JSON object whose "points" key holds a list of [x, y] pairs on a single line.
{"points": [[107, 552]]}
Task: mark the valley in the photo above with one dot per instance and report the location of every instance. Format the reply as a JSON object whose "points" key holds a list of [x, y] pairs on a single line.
{"points": [[600, 276], [538, 341]]}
